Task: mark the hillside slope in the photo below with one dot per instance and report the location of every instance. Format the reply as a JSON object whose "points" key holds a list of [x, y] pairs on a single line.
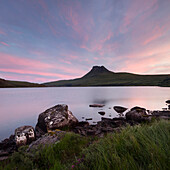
{"points": [[8, 83], [100, 76]]}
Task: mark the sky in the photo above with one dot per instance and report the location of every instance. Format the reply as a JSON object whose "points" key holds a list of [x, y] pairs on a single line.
{"points": [[48, 40]]}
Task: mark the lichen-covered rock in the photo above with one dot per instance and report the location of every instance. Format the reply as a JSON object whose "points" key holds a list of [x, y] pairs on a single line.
{"points": [[56, 117], [24, 135]]}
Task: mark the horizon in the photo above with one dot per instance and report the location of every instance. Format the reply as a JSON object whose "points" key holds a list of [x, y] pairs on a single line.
{"points": [[43, 41]]}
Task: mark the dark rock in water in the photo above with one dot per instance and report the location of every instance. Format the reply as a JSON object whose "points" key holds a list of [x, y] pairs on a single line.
{"points": [[119, 109], [56, 117], [24, 135], [137, 114], [101, 113], [89, 118], [96, 105], [168, 101], [7, 147], [138, 109]]}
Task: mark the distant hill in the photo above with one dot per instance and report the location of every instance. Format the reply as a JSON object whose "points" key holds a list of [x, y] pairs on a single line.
{"points": [[8, 83], [100, 76]]}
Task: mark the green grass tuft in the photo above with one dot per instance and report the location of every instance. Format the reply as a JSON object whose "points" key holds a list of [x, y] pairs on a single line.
{"points": [[146, 146]]}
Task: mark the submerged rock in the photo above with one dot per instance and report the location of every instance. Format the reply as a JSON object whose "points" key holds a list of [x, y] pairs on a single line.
{"points": [[96, 105], [24, 135], [56, 117], [120, 109]]}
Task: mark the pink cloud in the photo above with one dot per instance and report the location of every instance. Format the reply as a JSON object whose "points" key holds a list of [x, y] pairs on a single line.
{"points": [[138, 8], [20, 65], [3, 43], [23, 71], [147, 61]]}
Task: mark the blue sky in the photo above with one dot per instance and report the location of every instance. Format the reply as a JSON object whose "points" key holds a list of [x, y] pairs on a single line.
{"points": [[46, 40]]}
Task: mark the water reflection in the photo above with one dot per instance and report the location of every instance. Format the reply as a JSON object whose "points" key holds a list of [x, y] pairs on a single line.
{"points": [[22, 106]]}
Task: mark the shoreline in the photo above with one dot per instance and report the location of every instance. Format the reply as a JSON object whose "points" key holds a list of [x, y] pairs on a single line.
{"points": [[27, 135]]}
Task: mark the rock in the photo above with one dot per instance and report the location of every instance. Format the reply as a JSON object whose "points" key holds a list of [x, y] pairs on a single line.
{"points": [[7, 147], [96, 105], [137, 108], [161, 113], [119, 109], [24, 135], [90, 132], [136, 114], [168, 101], [89, 118], [47, 139], [101, 113], [83, 124], [56, 117]]}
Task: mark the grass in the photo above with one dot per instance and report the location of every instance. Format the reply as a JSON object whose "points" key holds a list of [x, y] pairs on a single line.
{"points": [[144, 146]]}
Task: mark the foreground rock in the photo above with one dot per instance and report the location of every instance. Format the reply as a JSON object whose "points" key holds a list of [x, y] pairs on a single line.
{"points": [[119, 109], [49, 138], [106, 125], [56, 117], [7, 147], [24, 135], [137, 114]]}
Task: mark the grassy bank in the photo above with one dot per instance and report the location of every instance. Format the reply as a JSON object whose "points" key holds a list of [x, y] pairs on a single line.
{"points": [[141, 147]]}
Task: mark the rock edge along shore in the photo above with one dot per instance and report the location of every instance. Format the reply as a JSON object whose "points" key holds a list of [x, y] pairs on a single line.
{"points": [[52, 122]]}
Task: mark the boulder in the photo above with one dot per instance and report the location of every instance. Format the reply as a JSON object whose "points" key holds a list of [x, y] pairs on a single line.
{"points": [[56, 117], [96, 105], [102, 113], [24, 135], [137, 108], [7, 147], [119, 109], [137, 114], [167, 101]]}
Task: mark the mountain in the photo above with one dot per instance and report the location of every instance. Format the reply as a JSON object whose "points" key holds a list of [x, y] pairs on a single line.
{"points": [[100, 76], [8, 83]]}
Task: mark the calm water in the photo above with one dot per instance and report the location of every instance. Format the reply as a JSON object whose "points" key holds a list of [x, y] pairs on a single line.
{"points": [[21, 106]]}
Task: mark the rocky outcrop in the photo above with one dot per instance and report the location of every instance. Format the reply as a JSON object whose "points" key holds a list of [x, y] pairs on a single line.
{"points": [[56, 117], [119, 109], [24, 135], [106, 125], [47, 139], [137, 114], [7, 146]]}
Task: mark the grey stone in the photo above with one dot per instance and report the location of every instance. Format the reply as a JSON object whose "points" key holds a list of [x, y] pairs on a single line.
{"points": [[24, 135], [56, 117]]}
